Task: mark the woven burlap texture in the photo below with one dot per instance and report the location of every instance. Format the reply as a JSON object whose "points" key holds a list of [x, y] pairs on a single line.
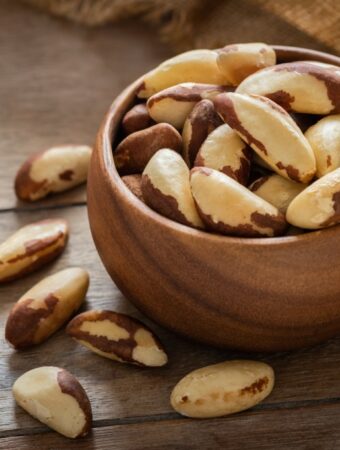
{"points": [[211, 23]]}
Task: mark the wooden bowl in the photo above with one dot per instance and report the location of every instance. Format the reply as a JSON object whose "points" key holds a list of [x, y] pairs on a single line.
{"points": [[263, 294]]}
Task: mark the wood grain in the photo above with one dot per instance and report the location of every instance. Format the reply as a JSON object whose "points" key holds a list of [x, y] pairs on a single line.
{"points": [[57, 81], [307, 428], [119, 391]]}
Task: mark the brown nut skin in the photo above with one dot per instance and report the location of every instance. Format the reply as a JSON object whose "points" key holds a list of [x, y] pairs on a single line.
{"points": [[173, 105], [31, 247], [137, 118], [46, 307], [118, 337], [134, 184], [202, 120], [225, 151], [51, 171], [134, 152], [166, 188], [271, 133], [56, 398], [227, 207], [238, 61], [303, 86]]}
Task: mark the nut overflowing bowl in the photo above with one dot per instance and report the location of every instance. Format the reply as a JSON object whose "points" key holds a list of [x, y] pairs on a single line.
{"points": [[254, 294]]}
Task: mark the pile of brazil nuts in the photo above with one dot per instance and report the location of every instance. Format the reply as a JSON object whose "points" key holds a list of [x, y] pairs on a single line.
{"points": [[229, 141]]}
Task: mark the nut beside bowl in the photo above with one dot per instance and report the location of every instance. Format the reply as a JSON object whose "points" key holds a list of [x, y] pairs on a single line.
{"points": [[252, 294]]}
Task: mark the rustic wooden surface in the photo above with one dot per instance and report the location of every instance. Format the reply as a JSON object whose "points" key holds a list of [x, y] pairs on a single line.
{"points": [[56, 82]]}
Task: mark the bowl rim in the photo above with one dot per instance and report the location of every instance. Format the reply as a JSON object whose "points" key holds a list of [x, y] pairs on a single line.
{"points": [[104, 150]]}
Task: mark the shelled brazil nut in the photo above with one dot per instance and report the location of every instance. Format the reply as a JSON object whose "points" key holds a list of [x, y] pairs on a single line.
{"points": [[31, 247], [256, 131]]}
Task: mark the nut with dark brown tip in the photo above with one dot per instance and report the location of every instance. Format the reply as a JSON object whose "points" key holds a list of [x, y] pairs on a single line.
{"points": [[31, 247], [303, 86], [202, 120], [238, 61], [166, 188], [137, 118], [134, 152], [56, 398], [271, 132], [51, 171], [173, 105], [46, 307], [119, 337], [227, 207], [134, 184], [225, 151], [222, 389]]}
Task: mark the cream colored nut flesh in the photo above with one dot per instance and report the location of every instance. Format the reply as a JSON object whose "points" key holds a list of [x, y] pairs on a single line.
{"points": [[222, 389], [118, 337], [303, 86], [46, 307], [166, 188], [324, 138], [31, 247], [271, 132], [276, 190], [56, 398], [238, 61], [133, 153], [54, 170], [318, 206], [227, 207], [195, 66], [224, 150], [173, 105], [202, 120]]}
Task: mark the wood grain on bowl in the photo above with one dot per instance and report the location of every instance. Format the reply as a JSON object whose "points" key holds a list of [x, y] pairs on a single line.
{"points": [[251, 294]]}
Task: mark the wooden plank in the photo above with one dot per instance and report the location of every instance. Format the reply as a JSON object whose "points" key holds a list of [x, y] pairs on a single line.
{"points": [[300, 429], [119, 391], [57, 81]]}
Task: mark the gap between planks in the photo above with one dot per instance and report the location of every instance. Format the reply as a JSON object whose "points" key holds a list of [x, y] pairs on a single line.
{"points": [[304, 404]]}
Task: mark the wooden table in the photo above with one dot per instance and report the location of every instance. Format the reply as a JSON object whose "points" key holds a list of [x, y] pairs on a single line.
{"points": [[57, 80]]}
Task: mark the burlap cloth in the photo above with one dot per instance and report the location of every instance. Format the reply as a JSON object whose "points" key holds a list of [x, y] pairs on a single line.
{"points": [[211, 23]]}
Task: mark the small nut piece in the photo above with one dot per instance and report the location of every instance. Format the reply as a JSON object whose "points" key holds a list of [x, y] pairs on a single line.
{"points": [[173, 105], [54, 170], [56, 398], [238, 61], [46, 307], [303, 86], [229, 208], [222, 389], [318, 206], [196, 66], [137, 118], [202, 120], [276, 190], [134, 152], [224, 150], [166, 188], [324, 138], [31, 247], [118, 337], [134, 183], [271, 132]]}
